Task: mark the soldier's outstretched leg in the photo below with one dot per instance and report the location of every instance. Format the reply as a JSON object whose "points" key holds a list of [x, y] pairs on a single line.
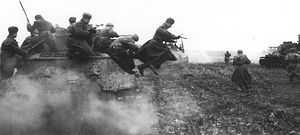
{"points": [[142, 67]]}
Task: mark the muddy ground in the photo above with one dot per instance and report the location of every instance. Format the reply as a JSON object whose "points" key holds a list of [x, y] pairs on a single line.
{"points": [[191, 99], [200, 100]]}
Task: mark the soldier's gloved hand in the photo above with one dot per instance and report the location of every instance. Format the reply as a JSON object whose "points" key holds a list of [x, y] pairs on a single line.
{"points": [[28, 24]]}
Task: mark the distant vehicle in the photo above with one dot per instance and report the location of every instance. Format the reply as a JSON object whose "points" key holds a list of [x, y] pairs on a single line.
{"points": [[277, 56]]}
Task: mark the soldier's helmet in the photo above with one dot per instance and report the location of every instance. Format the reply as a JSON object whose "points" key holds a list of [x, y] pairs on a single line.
{"points": [[109, 24], [72, 19], [86, 16], [12, 29], [135, 37], [170, 20], [36, 17], [240, 51]]}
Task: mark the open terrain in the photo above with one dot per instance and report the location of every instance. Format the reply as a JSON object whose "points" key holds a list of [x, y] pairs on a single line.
{"points": [[191, 99], [200, 99]]}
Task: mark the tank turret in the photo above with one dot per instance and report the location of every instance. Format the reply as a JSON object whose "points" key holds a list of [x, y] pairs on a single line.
{"points": [[276, 57]]}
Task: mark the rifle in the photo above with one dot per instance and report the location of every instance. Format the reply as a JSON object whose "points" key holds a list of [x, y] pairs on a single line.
{"points": [[181, 47], [24, 11], [35, 45], [28, 22]]}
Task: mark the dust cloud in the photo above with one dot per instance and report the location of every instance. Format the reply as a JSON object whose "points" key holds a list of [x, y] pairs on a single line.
{"points": [[62, 106]]}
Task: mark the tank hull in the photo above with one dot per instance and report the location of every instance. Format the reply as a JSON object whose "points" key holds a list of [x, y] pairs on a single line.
{"points": [[101, 69]]}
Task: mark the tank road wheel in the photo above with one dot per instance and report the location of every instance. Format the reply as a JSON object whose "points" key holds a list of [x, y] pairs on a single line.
{"points": [[107, 95]]}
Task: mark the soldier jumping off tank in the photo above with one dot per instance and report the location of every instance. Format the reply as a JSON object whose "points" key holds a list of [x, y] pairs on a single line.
{"points": [[104, 38], [121, 51], [154, 52]]}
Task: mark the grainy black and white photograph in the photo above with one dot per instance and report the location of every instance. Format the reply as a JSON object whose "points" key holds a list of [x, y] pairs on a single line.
{"points": [[150, 67]]}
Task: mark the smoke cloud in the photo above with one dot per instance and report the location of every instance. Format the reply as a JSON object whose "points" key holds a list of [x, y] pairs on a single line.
{"points": [[62, 105]]}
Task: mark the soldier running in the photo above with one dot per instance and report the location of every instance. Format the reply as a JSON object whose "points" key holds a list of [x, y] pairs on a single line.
{"points": [[293, 67], [154, 52], [227, 57], [241, 76]]}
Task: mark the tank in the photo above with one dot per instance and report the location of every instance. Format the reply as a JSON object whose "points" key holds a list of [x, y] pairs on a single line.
{"points": [[100, 69], [276, 57]]}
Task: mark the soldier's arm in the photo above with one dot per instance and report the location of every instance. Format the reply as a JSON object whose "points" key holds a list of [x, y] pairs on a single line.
{"points": [[80, 32], [30, 27], [247, 60], [133, 46], [130, 44], [52, 29], [13, 47], [166, 34], [113, 34]]}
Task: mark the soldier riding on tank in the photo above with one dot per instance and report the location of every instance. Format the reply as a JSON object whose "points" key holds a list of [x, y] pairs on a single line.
{"points": [[78, 41], [44, 28]]}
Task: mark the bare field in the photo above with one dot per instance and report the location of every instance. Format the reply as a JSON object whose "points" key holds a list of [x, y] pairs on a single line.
{"points": [[200, 99], [192, 99]]}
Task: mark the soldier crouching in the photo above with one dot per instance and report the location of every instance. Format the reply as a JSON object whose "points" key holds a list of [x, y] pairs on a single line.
{"points": [[121, 51], [78, 39]]}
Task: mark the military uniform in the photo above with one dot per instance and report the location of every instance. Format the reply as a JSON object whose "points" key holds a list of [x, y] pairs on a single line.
{"points": [[77, 41], [9, 58], [155, 52], [103, 40], [121, 51], [43, 27], [227, 56], [293, 67], [241, 76]]}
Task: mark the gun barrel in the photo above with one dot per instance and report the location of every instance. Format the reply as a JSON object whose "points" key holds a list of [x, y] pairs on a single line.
{"points": [[24, 11]]}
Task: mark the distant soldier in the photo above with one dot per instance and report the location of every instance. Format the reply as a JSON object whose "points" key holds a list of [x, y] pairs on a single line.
{"points": [[44, 28], [293, 67], [154, 52], [227, 57], [10, 54], [79, 35], [104, 38], [241, 76], [121, 51]]}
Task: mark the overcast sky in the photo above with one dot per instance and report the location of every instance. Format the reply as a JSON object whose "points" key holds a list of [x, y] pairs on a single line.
{"points": [[208, 24]]}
